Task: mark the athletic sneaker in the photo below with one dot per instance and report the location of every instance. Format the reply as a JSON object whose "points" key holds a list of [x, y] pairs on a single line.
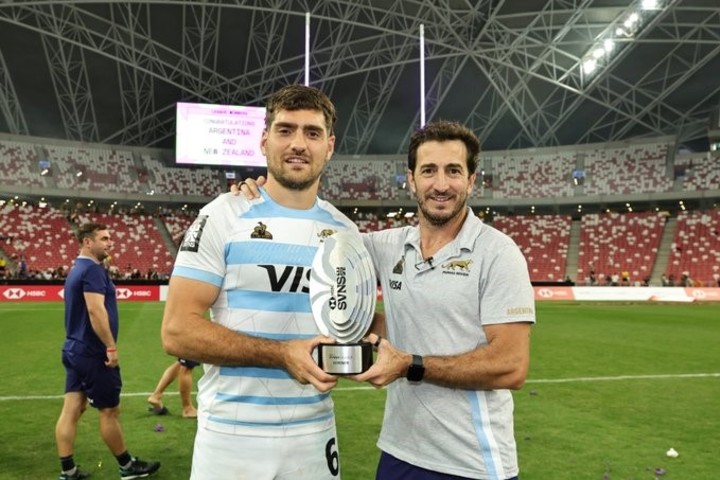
{"points": [[78, 475], [138, 469]]}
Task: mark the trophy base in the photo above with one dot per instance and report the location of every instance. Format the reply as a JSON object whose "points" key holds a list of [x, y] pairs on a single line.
{"points": [[345, 358]]}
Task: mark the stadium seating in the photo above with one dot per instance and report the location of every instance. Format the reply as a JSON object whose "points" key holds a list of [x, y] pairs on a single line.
{"points": [[370, 222], [612, 243], [138, 244], [543, 239], [204, 182], [696, 248], [536, 176], [637, 168], [42, 235], [18, 164], [360, 180], [702, 171], [93, 169], [177, 225]]}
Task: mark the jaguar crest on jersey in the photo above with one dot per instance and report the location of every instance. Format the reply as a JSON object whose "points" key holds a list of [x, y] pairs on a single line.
{"points": [[323, 234], [261, 231], [457, 267], [461, 265]]}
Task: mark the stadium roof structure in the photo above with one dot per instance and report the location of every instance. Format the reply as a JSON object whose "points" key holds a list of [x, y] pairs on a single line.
{"points": [[111, 72]]}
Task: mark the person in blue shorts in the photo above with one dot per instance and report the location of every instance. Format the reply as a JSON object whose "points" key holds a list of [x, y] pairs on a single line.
{"points": [[90, 357], [182, 369]]}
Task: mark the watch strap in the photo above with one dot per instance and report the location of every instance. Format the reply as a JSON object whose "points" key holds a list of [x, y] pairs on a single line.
{"points": [[416, 370]]}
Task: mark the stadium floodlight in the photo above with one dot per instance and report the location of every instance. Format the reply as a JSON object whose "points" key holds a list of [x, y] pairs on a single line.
{"points": [[631, 20], [623, 30], [589, 66], [649, 4]]}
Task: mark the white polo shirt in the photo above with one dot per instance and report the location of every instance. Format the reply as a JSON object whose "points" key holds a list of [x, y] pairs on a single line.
{"points": [[439, 307]]}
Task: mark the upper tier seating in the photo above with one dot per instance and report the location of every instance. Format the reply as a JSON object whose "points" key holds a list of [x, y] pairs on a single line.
{"points": [[536, 176], [359, 180], [18, 164], [627, 170], [102, 169], [613, 243], [543, 239], [183, 181], [696, 248], [702, 171]]}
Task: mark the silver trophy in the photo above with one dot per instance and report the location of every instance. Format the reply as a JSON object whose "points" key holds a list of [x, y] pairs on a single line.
{"points": [[343, 295]]}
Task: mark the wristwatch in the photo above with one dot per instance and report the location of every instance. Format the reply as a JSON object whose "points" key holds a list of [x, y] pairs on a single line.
{"points": [[416, 370]]}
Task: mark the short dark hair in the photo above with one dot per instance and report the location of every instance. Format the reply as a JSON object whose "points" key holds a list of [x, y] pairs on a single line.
{"points": [[88, 230], [301, 97], [442, 131]]}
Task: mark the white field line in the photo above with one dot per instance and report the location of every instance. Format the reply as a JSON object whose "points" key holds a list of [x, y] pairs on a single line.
{"points": [[362, 387]]}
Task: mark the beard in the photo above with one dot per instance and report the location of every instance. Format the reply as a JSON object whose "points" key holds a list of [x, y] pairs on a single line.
{"points": [[289, 181], [440, 218]]}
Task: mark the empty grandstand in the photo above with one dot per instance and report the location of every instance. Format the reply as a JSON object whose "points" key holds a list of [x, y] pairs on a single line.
{"points": [[609, 227]]}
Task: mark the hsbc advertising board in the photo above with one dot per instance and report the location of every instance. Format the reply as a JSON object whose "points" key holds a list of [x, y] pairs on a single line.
{"points": [[54, 293], [629, 294], [156, 293]]}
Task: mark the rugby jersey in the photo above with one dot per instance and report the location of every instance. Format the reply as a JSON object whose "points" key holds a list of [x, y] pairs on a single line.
{"points": [[259, 254]]}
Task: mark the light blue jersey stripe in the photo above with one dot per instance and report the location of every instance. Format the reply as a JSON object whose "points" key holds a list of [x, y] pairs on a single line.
{"points": [[269, 301], [264, 252], [280, 336], [196, 274], [255, 372], [228, 421], [485, 449], [270, 209], [262, 400]]}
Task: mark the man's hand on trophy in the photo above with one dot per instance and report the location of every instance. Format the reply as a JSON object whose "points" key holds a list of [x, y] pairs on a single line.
{"points": [[389, 365], [298, 361], [248, 187]]}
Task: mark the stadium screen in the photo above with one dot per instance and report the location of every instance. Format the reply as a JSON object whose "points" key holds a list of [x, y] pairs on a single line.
{"points": [[224, 135], [578, 177]]}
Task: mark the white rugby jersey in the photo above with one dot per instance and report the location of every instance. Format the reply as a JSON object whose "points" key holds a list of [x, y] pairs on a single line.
{"points": [[259, 254]]}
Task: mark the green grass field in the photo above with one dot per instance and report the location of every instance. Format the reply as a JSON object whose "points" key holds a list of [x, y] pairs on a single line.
{"points": [[611, 388]]}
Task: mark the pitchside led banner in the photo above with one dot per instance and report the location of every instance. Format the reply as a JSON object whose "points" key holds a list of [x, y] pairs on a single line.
{"points": [[343, 295], [225, 135]]}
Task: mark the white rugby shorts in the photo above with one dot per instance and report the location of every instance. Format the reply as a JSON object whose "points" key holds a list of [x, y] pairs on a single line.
{"points": [[221, 456]]}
